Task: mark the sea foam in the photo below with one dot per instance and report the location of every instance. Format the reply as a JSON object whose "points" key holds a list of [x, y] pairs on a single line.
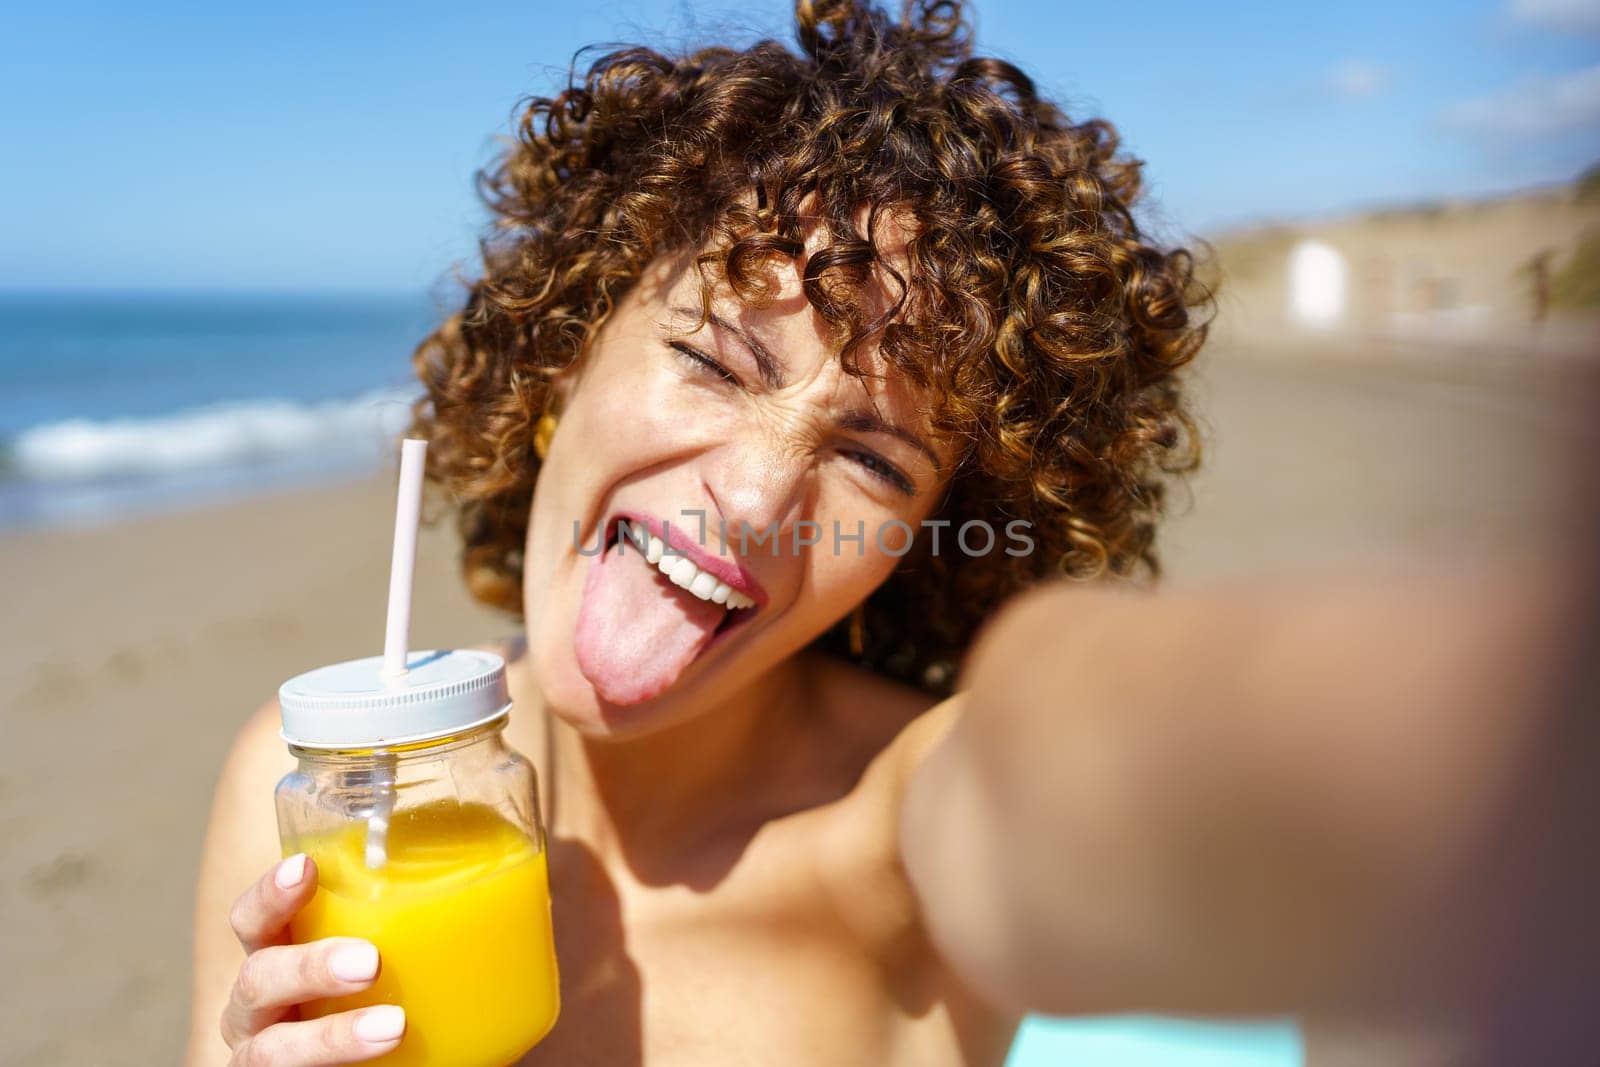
{"points": [[215, 436]]}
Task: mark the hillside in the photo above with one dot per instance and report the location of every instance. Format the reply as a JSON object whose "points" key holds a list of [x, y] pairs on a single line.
{"points": [[1521, 270]]}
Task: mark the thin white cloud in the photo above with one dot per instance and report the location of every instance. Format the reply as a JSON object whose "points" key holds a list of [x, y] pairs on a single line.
{"points": [[1575, 16], [1535, 110], [1358, 78]]}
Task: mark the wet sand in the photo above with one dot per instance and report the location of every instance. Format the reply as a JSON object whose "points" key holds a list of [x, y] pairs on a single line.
{"points": [[130, 653]]}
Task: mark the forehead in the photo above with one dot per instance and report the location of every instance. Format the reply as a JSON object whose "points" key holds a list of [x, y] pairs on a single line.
{"points": [[787, 316]]}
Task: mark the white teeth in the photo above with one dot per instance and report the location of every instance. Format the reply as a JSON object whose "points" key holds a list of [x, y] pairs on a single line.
{"points": [[682, 572]]}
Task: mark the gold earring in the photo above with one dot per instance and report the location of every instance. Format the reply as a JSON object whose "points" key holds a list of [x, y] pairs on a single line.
{"points": [[858, 630], [543, 431]]}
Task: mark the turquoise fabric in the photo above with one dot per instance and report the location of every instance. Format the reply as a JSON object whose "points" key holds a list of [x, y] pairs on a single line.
{"points": [[1149, 1041]]}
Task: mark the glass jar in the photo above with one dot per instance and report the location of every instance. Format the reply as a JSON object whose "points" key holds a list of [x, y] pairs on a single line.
{"points": [[425, 830]]}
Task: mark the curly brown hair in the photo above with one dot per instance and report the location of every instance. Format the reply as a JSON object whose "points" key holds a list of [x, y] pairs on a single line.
{"points": [[1049, 327]]}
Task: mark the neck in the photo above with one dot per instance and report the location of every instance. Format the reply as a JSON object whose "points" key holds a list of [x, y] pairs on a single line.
{"points": [[651, 796]]}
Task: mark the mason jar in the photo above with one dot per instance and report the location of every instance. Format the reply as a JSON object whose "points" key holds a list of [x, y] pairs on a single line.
{"points": [[425, 830]]}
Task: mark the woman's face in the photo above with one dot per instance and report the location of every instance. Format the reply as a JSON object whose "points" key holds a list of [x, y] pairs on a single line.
{"points": [[750, 422]]}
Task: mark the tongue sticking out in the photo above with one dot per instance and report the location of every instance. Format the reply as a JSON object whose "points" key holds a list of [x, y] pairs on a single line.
{"points": [[636, 630]]}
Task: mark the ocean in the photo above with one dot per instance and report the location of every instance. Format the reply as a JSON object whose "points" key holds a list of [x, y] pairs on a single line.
{"points": [[125, 402]]}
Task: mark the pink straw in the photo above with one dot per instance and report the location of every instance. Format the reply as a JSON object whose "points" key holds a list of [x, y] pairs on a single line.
{"points": [[408, 507]]}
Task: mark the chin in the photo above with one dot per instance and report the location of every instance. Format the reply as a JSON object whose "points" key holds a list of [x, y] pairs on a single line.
{"points": [[573, 699]]}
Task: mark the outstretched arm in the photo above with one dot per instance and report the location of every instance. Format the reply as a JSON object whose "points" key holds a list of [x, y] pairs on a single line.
{"points": [[1272, 798]]}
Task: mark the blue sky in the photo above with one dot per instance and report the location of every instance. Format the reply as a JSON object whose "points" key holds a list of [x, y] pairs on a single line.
{"points": [[168, 145]]}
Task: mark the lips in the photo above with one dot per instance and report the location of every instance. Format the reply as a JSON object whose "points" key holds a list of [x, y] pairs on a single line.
{"points": [[724, 569]]}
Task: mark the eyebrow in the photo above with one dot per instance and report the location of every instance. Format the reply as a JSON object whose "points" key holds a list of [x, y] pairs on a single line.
{"points": [[772, 373], [869, 422], [771, 370]]}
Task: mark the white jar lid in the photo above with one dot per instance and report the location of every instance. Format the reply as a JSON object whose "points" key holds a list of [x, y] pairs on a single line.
{"points": [[351, 704]]}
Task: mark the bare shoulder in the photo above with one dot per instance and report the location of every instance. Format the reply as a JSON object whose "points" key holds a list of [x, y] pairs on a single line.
{"points": [[243, 819], [241, 843], [258, 746], [860, 865], [889, 724], [895, 727]]}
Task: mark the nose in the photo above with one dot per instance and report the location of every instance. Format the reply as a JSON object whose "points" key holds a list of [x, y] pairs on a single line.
{"points": [[758, 486]]}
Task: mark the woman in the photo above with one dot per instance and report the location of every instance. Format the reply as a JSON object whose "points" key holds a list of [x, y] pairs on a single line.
{"points": [[872, 329]]}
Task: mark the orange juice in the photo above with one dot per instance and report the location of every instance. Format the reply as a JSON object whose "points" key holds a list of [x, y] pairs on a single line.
{"points": [[460, 913]]}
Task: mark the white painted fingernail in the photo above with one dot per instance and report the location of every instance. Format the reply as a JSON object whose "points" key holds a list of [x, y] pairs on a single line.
{"points": [[381, 1024], [355, 962], [291, 871]]}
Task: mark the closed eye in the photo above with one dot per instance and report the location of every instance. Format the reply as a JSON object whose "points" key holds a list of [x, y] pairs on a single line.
{"points": [[702, 362], [873, 463], [883, 470]]}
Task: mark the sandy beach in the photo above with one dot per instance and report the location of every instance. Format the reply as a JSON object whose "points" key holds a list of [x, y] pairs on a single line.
{"points": [[130, 653]]}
